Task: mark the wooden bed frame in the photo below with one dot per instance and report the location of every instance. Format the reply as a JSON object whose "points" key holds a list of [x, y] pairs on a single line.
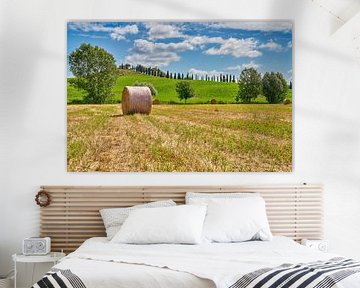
{"points": [[73, 214]]}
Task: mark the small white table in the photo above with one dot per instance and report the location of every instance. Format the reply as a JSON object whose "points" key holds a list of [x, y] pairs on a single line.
{"points": [[53, 257]]}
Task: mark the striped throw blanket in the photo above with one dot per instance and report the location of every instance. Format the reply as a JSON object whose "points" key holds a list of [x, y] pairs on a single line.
{"points": [[57, 278], [320, 274]]}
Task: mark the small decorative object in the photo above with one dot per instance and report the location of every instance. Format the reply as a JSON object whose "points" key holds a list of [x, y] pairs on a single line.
{"points": [[42, 198], [36, 246]]}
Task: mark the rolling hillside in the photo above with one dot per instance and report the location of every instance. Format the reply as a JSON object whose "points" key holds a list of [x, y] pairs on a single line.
{"points": [[204, 90]]}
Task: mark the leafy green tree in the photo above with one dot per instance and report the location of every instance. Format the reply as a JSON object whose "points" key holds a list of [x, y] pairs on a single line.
{"points": [[150, 85], [250, 85], [184, 90], [275, 87], [95, 72]]}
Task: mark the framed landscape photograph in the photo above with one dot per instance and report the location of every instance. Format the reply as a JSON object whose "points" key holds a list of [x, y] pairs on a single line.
{"points": [[179, 96]]}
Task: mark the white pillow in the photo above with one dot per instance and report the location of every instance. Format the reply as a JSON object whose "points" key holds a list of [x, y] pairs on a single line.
{"points": [[173, 225], [236, 220], [204, 198], [113, 218]]}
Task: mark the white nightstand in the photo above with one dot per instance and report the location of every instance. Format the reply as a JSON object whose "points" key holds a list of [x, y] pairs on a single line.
{"points": [[320, 245], [53, 257]]}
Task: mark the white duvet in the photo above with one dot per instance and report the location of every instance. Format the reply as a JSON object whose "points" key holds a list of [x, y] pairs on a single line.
{"points": [[100, 263]]}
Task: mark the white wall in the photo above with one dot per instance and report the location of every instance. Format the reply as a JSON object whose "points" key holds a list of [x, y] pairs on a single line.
{"points": [[33, 109]]}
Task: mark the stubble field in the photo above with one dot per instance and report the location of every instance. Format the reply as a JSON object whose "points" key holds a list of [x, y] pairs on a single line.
{"points": [[180, 138]]}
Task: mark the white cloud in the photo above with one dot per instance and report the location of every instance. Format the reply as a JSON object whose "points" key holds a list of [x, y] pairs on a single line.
{"points": [[147, 52], [210, 73], [116, 33], [202, 40], [163, 31], [272, 46], [237, 48], [89, 27], [266, 26], [146, 46], [241, 67], [92, 36], [152, 59], [155, 54]]}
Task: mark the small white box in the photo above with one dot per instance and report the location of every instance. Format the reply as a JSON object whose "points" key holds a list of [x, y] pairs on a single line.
{"points": [[320, 245], [36, 246]]}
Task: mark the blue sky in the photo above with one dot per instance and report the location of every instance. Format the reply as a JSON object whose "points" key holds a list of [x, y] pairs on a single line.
{"points": [[196, 47]]}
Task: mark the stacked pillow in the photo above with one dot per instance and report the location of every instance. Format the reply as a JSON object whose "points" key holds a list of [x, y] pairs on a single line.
{"points": [[114, 218], [220, 217], [171, 225], [233, 217]]}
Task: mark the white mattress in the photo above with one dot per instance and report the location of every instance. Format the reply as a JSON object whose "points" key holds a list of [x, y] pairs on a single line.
{"points": [[102, 264]]}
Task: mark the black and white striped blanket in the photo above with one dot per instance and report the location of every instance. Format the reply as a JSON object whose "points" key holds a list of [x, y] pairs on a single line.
{"points": [[57, 278], [320, 274]]}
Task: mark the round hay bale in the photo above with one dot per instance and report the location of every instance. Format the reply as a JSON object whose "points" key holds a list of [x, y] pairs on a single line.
{"points": [[136, 99], [286, 101]]}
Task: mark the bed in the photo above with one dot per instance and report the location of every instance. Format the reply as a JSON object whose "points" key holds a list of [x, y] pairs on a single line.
{"points": [[294, 211], [99, 263]]}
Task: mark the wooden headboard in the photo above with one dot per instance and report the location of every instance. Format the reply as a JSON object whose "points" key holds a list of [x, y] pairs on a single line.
{"points": [[73, 215]]}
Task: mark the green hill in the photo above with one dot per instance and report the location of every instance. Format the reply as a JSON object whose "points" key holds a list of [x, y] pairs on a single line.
{"points": [[204, 90]]}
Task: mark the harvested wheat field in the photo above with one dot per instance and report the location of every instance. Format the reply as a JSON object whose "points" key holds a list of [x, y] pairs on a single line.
{"points": [[180, 138]]}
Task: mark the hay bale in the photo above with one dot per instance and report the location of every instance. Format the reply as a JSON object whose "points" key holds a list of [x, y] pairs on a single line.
{"points": [[286, 101], [136, 100]]}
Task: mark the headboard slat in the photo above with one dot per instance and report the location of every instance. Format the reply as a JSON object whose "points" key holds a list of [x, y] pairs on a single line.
{"points": [[73, 216]]}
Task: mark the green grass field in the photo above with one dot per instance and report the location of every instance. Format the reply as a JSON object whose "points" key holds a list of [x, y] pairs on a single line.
{"points": [[204, 90], [181, 138]]}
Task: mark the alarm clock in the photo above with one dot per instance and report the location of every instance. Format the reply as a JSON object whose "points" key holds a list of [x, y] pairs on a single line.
{"points": [[320, 245], [36, 246]]}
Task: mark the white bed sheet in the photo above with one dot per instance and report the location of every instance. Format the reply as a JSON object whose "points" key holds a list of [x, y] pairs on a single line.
{"points": [[100, 263], [101, 274]]}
